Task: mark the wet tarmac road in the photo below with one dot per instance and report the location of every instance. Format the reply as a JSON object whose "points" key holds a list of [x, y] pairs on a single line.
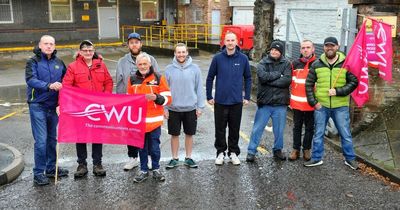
{"points": [[266, 184]]}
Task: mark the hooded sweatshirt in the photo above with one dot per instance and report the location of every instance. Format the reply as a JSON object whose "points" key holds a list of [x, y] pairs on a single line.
{"points": [[126, 67], [232, 74], [186, 86]]}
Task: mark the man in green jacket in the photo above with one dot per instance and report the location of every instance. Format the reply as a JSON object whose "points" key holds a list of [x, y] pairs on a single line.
{"points": [[328, 89]]}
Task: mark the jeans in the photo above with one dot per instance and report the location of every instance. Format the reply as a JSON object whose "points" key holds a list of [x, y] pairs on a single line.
{"points": [[132, 151], [152, 147], [263, 113], [97, 153], [341, 118], [44, 129], [227, 115], [300, 118]]}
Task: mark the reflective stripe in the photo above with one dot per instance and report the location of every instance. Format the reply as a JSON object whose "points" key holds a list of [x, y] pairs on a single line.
{"points": [[299, 99], [299, 81], [165, 101], [165, 93], [33, 92], [154, 119]]}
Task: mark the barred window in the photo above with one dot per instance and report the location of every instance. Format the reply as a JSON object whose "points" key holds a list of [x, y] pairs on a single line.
{"points": [[60, 11], [149, 10], [198, 16], [6, 12]]}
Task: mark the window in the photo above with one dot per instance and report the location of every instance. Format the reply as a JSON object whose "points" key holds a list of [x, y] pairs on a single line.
{"points": [[149, 10], [198, 16], [6, 12], [60, 11]]}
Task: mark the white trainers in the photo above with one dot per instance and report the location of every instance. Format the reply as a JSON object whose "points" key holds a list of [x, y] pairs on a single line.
{"points": [[234, 159], [220, 159], [149, 165], [132, 163]]}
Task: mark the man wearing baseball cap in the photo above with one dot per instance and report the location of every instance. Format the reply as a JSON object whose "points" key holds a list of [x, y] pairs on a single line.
{"points": [[328, 89], [126, 67]]}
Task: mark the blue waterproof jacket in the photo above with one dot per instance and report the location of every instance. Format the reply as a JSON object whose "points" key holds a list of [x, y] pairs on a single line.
{"points": [[232, 74], [40, 72]]}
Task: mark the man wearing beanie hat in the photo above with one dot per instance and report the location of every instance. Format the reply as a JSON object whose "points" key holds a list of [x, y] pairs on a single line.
{"points": [[274, 74], [125, 68]]}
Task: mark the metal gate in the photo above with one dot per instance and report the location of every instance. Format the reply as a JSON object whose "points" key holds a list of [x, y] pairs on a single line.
{"points": [[316, 25]]}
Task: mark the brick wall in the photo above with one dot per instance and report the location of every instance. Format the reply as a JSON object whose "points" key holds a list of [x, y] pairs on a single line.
{"points": [[186, 13]]}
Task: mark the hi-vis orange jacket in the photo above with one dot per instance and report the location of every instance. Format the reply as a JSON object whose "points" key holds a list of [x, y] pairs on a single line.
{"points": [[298, 98], [151, 83]]}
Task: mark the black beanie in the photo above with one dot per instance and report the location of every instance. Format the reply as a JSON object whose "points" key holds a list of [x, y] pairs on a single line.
{"points": [[278, 45]]}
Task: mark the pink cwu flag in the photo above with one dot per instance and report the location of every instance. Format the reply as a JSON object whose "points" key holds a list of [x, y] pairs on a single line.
{"points": [[93, 117], [356, 62], [383, 48]]}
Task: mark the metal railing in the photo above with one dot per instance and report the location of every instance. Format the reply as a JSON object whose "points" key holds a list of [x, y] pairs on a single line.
{"points": [[161, 36]]}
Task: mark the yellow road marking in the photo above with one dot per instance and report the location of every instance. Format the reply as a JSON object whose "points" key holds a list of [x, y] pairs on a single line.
{"points": [[9, 115], [244, 136]]}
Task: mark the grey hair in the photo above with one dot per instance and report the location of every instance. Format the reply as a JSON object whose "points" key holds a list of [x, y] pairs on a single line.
{"points": [[143, 55], [47, 36]]}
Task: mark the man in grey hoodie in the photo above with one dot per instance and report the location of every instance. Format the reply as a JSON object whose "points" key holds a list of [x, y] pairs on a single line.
{"points": [[188, 101], [125, 68]]}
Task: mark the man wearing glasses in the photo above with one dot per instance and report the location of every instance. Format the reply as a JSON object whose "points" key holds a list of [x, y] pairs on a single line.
{"points": [[89, 72]]}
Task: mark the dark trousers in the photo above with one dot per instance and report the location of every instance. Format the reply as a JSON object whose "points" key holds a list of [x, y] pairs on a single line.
{"points": [[227, 115], [300, 118], [152, 148], [133, 151], [97, 153]]}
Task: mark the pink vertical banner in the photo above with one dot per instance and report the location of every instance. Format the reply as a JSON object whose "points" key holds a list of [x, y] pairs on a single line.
{"points": [[356, 62], [384, 50]]}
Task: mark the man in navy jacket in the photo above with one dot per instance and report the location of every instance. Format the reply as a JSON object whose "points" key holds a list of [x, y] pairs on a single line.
{"points": [[231, 69], [43, 75]]}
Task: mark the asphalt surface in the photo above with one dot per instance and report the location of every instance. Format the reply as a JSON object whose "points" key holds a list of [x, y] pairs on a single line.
{"points": [[266, 184]]}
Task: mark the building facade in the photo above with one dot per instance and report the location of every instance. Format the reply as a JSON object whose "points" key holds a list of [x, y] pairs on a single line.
{"points": [[24, 22]]}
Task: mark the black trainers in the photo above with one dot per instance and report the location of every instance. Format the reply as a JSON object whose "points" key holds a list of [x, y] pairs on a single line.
{"points": [[81, 171], [279, 155], [189, 162], [61, 172], [352, 164], [312, 163], [141, 177], [250, 158], [158, 175], [98, 170], [41, 180]]}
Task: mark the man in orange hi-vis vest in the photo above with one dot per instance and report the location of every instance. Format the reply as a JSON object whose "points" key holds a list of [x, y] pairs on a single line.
{"points": [[303, 113], [155, 87]]}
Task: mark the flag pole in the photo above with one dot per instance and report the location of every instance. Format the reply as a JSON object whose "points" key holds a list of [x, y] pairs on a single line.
{"points": [[56, 177]]}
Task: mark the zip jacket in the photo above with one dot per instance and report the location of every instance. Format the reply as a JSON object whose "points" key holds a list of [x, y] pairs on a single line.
{"points": [[298, 98], [185, 85], [232, 74], [40, 72], [151, 83], [96, 78], [323, 75], [274, 77], [126, 67]]}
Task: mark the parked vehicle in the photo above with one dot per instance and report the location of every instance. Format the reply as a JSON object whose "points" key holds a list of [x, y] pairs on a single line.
{"points": [[245, 34]]}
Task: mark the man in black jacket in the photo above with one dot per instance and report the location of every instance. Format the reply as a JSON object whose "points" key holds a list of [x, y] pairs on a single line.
{"points": [[274, 74]]}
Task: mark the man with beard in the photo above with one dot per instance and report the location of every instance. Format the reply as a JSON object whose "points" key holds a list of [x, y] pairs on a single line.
{"points": [[127, 67], [328, 89]]}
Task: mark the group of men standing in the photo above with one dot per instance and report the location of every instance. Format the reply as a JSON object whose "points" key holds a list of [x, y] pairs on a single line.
{"points": [[315, 90]]}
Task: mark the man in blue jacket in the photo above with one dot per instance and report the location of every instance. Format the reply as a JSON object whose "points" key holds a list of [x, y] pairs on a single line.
{"points": [[43, 75], [231, 69]]}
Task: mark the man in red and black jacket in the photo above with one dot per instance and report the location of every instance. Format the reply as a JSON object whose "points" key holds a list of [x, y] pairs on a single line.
{"points": [[303, 113]]}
